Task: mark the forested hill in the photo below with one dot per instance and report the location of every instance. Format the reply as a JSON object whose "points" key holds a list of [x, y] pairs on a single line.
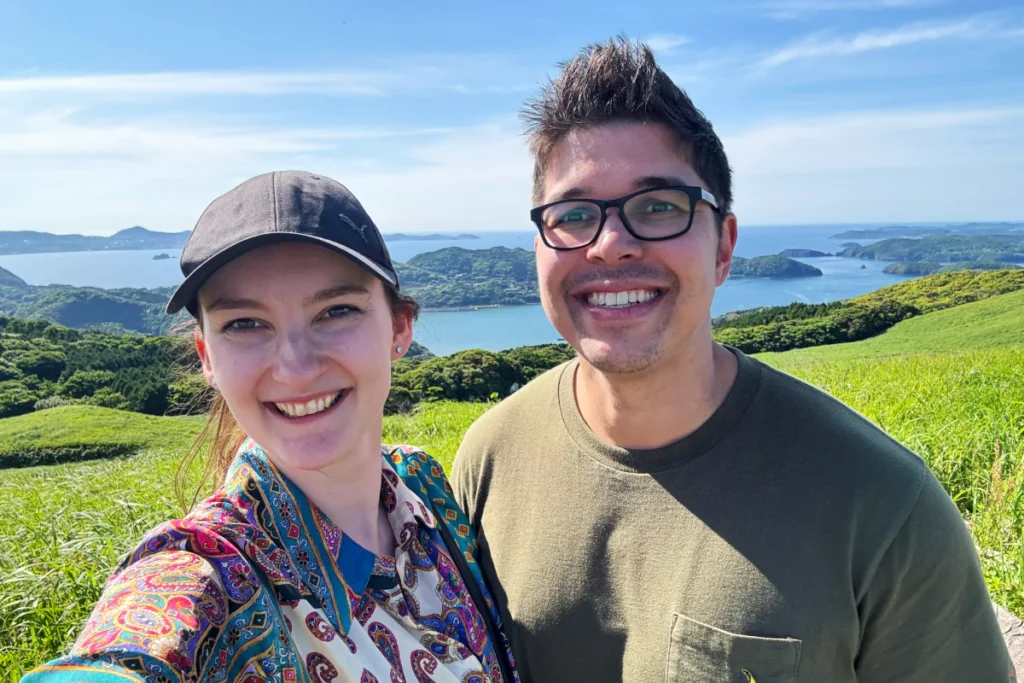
{"points": [[943, 249], [455, 277]]}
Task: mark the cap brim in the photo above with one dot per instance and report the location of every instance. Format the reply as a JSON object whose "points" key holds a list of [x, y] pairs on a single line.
{"points": [[185, 295]]}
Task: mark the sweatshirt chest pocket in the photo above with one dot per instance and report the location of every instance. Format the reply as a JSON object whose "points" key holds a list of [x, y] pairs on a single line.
{"points": [[698, 653]]}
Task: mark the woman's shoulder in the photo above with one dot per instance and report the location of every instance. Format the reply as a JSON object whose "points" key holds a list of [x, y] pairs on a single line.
{"points": [[421, 472]]}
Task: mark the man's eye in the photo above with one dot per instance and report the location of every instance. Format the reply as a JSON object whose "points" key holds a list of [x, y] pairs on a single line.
{"points": [[576, 216], [660, 207], [242, 324]]}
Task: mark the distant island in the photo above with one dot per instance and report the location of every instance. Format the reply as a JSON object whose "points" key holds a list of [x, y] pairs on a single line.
{"points": [[930, 267], [433, 237], [161, 257], [775, 267], [803, 253], [450, 278], [943, 249], [29, 242], [915, 231], [137, 237]]}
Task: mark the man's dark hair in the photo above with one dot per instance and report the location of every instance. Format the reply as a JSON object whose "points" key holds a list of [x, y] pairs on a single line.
{"points": [[620, 81]]}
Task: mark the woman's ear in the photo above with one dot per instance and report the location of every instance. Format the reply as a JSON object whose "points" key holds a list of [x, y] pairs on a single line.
{"points": [[204, 357], [402, 336]]}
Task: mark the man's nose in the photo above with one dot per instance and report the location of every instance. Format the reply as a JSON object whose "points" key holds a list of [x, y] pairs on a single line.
{"points": [[615, 243]]}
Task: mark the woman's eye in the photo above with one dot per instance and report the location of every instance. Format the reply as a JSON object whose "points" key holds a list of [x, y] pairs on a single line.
{"points": [[339, 311], [242, 324]]}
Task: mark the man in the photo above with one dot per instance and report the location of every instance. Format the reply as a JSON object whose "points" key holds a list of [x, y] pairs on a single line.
{"points": [[666, 509]]}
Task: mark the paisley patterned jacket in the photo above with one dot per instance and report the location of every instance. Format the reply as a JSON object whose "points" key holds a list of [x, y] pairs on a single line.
{"points": [[256, 584]]}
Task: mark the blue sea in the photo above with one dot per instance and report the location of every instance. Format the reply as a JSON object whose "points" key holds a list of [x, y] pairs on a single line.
{"points": [[445, 332]]}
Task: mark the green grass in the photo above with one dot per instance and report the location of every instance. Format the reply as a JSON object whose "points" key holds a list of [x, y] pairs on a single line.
{"points": [[73, 433], [66, 525], [990, 323]]}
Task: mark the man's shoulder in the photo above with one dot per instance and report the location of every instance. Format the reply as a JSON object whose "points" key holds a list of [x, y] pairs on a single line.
{"points": [[532, 403], [812, 429]]}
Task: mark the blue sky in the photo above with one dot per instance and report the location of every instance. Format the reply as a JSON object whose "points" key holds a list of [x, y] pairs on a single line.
{"points": [[842, 111]]}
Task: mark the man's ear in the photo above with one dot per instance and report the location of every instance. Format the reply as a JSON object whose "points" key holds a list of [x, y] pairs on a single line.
{"points": [[204, 357], [402, 337], [726, 246]]}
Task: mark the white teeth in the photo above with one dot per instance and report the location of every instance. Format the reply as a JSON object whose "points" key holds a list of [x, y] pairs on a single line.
{"points": [[309, 407], [616, 299]]}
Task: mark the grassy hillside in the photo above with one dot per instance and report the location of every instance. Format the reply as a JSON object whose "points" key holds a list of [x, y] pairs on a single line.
{"points": [[991, 323]]}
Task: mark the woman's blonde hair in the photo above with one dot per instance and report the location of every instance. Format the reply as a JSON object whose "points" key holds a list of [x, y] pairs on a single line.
{"points": [[221, 437]]}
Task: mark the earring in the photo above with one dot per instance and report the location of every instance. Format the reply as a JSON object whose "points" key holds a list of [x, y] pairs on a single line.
{"points": [[399, 349], [213, 382]]}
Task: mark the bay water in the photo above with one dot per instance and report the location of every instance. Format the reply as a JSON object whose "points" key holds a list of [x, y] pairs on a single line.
{"points": [[494, 329]]}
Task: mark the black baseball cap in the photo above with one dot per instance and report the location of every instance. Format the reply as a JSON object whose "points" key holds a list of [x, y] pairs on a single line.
{"points": [[284, 206]]}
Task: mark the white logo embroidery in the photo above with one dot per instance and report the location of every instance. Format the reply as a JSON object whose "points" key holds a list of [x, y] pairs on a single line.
{"points": [[361, 230]]}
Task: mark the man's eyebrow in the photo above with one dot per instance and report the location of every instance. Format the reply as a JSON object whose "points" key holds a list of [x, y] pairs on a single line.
{"points": [[335, 292], [571, 193], [657, 181], [644, 183]]}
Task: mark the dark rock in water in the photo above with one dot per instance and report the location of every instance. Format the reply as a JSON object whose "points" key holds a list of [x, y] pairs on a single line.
{"points": [[161, 257], [863, 267]]}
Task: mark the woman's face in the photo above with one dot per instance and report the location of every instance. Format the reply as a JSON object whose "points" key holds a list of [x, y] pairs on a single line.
{"points": [[300, 341]]}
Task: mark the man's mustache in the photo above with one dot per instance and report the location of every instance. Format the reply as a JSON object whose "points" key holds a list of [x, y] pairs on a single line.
{"points": [[601, 275]]}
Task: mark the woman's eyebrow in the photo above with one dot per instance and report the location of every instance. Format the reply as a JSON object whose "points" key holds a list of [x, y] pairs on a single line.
{"points": [[335, 292], [227, 303]]}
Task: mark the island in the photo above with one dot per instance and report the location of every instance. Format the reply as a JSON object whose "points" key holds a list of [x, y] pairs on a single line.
{"points": [[929, 267], [137, 237], [161, 257], [433, 237], [774, 267], [803, 253], [943, 249], [917, 231]]}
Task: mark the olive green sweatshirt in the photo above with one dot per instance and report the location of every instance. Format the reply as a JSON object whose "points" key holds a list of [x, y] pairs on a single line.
{"points": [[786, 540]]}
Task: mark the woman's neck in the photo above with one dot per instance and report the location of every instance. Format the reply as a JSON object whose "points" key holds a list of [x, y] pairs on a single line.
{"points": [[348, 492]]}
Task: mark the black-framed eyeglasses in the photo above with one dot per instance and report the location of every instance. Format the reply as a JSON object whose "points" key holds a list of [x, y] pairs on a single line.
{"points": [[655, 214]]}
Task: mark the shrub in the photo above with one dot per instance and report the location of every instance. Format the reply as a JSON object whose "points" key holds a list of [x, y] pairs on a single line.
{"points": [[53, 402], [86, 382], [108, 398], [16, 398]]}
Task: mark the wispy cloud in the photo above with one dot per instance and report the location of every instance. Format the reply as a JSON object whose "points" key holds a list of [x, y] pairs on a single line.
{"points": [[161, 172], [822, 46], [462, 77], [901, 165], [799, 9], [666, 43]]}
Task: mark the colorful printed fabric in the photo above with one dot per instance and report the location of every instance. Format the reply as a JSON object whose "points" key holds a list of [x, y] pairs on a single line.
{"points": [[256, 584]]}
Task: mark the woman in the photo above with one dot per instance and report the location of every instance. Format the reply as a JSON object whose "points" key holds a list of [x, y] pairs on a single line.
{"points": [[323, 556]]}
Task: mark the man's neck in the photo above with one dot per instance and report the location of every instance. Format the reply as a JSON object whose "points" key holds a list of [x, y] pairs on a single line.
{"points": [[660, 405]]}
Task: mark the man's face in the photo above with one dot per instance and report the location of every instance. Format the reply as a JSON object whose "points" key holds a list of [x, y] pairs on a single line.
{"points": [[673, 281]]}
